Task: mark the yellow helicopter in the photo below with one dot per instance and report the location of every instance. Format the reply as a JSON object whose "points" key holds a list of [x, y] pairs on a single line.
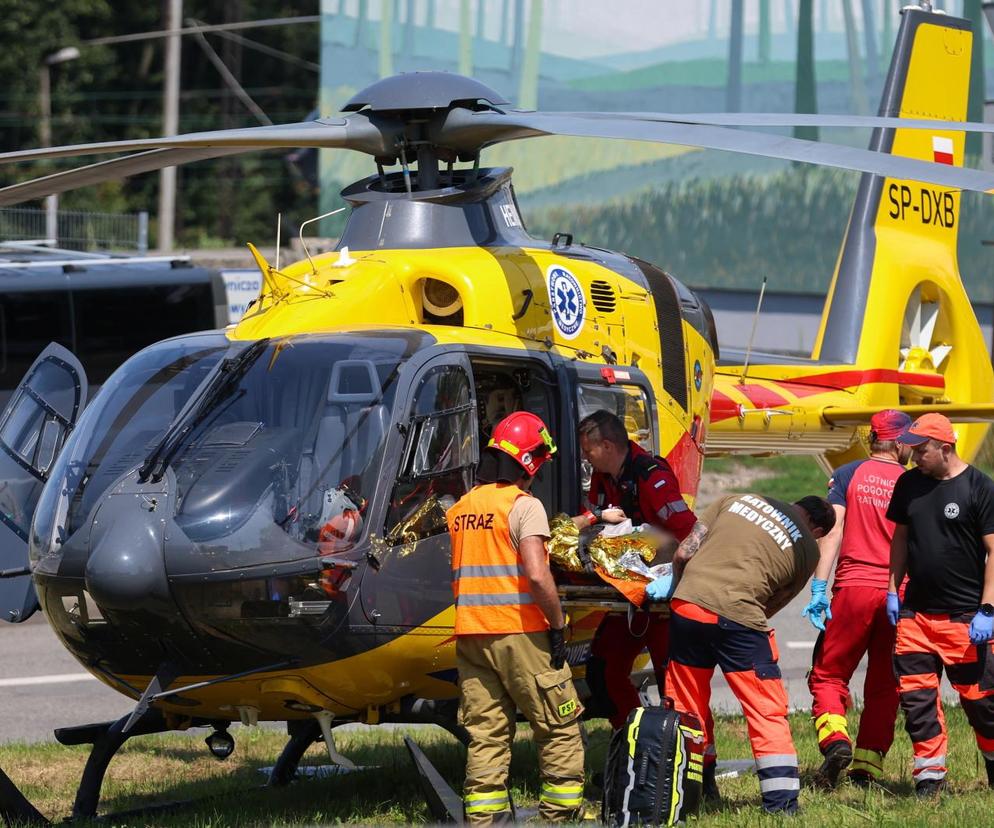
{"points": [[247, 524]]}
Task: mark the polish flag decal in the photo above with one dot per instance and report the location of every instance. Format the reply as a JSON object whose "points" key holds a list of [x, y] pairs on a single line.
{"points": [[942, 150]]}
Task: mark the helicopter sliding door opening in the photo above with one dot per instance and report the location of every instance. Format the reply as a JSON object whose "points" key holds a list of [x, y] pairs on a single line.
{"points": [[455, 403], [519, 385]]}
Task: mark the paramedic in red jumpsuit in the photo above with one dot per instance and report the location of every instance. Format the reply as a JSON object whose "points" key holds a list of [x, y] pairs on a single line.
{"points": [[627, 482]]}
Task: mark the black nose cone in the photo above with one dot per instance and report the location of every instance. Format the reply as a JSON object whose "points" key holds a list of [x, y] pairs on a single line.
{"points": [[125, 569]]}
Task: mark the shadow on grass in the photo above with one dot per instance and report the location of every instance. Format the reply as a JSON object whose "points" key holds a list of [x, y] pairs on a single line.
{"points": [[386, 792]]}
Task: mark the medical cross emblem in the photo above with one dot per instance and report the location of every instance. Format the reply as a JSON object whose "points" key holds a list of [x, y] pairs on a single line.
{"points": [[566, 299]]}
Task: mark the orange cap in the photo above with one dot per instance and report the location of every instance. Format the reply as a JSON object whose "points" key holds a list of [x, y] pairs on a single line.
{"points": [[928, 427]]}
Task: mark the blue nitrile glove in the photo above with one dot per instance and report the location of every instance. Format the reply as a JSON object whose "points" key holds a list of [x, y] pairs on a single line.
{"points": [[661, 589], [981, 628], [893, 607], [819, 604]]}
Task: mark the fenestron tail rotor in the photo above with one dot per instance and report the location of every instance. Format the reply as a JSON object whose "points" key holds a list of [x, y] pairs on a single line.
{"points": [[923, 347]]}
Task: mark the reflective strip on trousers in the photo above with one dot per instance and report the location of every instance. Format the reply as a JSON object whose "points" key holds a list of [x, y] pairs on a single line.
{"points": [[487, 803], [562, 794], [987, 754], [777, 760], [486, 571], [831, 723], [780, 783], [493, 599], [930, 762]]}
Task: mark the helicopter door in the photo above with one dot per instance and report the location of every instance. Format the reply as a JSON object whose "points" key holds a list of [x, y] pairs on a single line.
{"points": [[413, 586], [33, 429]]}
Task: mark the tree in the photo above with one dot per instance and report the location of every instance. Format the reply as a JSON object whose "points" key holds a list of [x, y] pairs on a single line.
{"points": [[481, 19], [805, 89], [870, 39], [764, 31], [857, 88], [360, 23], [386, 38], [733, 87], [517, 46], [887, 14], [465, 38], [409, 23], [788, 14], [528, 90]]}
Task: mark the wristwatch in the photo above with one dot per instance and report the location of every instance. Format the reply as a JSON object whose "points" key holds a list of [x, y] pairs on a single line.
{"points": [[987, 609]]}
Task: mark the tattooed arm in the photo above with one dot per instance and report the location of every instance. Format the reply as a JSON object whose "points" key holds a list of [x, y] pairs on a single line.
{"points": [[688, 548]]}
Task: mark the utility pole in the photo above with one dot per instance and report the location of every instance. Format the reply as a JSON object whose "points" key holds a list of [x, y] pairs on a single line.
{"points": [[64, 55], [170, 123]]}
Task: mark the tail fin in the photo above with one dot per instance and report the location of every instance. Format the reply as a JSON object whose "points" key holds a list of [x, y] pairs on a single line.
{"points": [[896, 301]]}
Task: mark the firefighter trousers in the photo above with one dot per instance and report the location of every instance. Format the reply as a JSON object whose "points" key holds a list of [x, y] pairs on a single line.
{"points": [[616, 645], [859, 626], [701, 641], [927, 643], [498, 676]]}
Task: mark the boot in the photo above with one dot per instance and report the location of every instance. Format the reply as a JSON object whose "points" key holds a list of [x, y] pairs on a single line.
{"points": [[838, 756], [929, 788], [989, 764], [711, 793]]}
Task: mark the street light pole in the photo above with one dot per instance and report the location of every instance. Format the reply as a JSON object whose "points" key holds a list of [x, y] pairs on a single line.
{"points": [[170, 123], [64, 55]]}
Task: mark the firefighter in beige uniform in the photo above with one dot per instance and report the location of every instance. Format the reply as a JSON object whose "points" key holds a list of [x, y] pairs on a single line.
{"points": [[510, 648]]}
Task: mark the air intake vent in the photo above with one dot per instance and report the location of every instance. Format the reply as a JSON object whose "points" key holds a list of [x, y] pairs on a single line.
{"points": [[602, 295]]}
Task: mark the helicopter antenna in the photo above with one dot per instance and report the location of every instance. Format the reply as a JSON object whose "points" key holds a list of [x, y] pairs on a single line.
{"points": [[307, 253], [279, 221], [752, 334]]}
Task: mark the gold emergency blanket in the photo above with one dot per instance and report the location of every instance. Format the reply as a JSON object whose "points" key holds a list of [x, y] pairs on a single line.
{"points": [[604, 552]]}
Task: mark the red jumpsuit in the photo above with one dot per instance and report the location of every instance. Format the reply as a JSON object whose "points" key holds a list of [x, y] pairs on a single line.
{"points": [[859, 619], [648, 491]]}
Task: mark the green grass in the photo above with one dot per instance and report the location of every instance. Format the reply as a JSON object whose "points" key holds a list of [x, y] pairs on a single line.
{"points": [[784, 477], [176, 767]]}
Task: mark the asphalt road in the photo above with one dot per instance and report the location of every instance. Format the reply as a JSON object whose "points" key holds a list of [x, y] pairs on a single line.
{"points": [[42, 686]]}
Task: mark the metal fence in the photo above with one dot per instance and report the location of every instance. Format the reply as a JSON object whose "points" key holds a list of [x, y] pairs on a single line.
{"points": [[77, 230]]}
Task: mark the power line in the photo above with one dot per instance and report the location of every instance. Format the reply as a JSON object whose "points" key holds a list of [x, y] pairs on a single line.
{"points": [[216, 27]]}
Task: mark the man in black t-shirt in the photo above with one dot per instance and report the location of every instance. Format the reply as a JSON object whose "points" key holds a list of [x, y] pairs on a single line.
{"points": [[944, 534]]}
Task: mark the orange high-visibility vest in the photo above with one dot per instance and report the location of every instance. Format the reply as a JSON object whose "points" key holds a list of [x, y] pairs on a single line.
{"points": [[492, 594]]}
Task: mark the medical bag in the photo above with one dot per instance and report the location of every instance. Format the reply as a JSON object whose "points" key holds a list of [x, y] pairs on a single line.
{"points": [[654, 769]]}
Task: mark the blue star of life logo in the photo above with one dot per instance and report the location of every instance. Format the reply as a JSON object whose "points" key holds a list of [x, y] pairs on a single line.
{"points": [[566, 299]]}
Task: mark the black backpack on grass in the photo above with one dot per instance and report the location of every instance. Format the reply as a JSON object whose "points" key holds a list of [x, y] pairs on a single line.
{"points": [[654, 769]]}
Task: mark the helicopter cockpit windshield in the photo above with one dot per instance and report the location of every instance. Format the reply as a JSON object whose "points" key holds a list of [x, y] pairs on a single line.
{"points": [[292, 447]]}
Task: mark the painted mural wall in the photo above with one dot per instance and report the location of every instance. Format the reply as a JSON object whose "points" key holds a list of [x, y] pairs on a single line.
{"points": [[710, 218]]}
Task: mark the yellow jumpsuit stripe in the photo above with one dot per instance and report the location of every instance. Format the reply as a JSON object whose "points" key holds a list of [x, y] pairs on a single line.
{"points": [[830, 723]]}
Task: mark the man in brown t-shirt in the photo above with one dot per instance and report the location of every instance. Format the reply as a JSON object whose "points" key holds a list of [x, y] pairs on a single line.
{"points": [[746, 558]]}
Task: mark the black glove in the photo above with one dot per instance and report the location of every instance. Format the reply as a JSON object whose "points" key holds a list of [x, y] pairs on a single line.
{"points": [[557, 642]]}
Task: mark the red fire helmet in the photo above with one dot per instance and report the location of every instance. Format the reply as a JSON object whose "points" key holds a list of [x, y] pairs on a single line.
{"points": [[524, 437]]}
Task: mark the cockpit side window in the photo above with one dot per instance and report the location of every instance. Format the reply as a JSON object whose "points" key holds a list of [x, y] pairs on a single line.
{"points": [[629, 403], [439, 456]]}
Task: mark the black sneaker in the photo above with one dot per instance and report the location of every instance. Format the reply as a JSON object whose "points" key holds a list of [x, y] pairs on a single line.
{"points": [[929, 788], [838, 756], [711, 793], [860, 778], [989, 763]]}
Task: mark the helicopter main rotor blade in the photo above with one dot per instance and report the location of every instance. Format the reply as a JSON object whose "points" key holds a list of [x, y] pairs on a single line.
{"points": [[358, 131], [106, 170], [790, 119], [463, 129]]}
